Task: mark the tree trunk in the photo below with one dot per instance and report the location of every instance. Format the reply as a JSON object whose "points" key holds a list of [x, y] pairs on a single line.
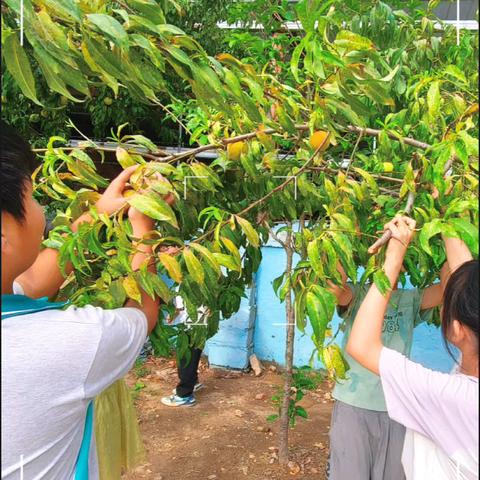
{"points": [[284, 417]]}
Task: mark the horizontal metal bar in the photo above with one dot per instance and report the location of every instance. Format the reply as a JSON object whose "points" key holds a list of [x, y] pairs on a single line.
{"points": [[291, 26]]}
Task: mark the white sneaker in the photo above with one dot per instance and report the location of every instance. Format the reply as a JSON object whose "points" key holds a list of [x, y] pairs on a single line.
{"points": [[175, 401]]}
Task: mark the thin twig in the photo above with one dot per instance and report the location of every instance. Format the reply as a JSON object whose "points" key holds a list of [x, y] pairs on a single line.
{"points": [[354, 150], [276, 237], [164, 107], [383, 240]]}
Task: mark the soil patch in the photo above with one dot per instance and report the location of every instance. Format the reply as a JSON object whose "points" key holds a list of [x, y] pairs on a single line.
{"points": [[226, 435]]}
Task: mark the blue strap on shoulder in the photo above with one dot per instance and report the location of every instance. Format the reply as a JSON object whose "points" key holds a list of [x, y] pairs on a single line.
{"points": [[17, 305], [81, 467]]}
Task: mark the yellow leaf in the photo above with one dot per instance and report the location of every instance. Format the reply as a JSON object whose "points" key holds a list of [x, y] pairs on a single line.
{"points": [[131, 288]]}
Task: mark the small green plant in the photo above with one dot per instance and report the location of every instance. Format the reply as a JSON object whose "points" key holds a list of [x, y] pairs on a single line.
{"points": [[139, 386], [303, 379], [140, 369]]}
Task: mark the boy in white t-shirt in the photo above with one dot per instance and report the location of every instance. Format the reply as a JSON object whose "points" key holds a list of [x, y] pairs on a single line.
{"points": [[54, 362]]}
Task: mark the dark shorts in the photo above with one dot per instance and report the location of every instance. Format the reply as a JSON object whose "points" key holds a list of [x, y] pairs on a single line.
{"points": [[364, 445]]}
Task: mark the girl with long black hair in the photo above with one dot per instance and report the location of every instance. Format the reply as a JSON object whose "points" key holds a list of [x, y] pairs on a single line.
{"points": [[439, 410]]}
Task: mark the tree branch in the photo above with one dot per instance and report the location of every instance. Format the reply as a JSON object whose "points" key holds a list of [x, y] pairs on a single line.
{"points": [[374, 133]]}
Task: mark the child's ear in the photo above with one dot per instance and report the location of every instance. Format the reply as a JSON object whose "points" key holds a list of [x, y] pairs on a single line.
{"points": [[457, 332]]}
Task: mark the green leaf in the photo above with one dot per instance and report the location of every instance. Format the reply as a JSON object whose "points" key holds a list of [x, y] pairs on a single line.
{"points": [[141, 141], [249, 231], [381, 281], [149, 9], [272, 418], [285, 288], [51, 71], [117, 292], [320, 305], [194, 266], [143, 279], [332, 258], [455, 72], [458, 206], [372, 184], [171, 266], [17, 64], [334, 361], [155, 207], [344, 249], [343, 222], [352, 41], [300, 300], [390, 76], [433, 100], [467, 232], [208, 257], [330, 58], [300, 411], [227, 261], [160, 287], [295, 60], [110, 27], [85, 172], [428, 231], [315, 258], [461, 151], [232, 248], [277, 282], [205, 176]]}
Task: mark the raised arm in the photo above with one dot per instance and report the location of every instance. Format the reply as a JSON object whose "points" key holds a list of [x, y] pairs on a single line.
{"points": [[433, 295], [343, 293], [43, 278], [141, 225], [365, 341], [457, 252]]}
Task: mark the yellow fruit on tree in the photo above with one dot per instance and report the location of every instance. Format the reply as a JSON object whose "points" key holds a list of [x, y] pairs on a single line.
{"points": [[107, 101], [320, 138], [387, 167], [234, 150]]}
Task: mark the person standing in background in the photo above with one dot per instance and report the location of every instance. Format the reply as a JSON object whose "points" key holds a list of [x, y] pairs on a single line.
{"points": [[187, 368]]}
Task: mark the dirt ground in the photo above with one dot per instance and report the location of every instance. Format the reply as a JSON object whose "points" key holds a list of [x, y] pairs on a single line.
{"points": [[226, 435]]}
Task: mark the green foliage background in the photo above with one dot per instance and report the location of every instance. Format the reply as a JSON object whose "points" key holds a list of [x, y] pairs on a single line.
{"points": [[354, 66]]}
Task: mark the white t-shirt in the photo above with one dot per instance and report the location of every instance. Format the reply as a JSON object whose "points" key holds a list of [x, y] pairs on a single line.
{"points": [[440, 412], [422, 459], [53, 363]]}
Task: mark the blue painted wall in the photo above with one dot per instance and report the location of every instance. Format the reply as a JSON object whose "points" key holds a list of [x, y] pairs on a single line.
{"points": [[269, 337]]}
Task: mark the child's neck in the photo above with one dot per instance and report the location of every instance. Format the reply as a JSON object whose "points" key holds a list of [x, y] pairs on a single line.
{"points": [[469, 365]]}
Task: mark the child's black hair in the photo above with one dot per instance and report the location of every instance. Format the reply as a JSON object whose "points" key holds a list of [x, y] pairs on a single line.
{"points": [[460, 300], [17, 163]]}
